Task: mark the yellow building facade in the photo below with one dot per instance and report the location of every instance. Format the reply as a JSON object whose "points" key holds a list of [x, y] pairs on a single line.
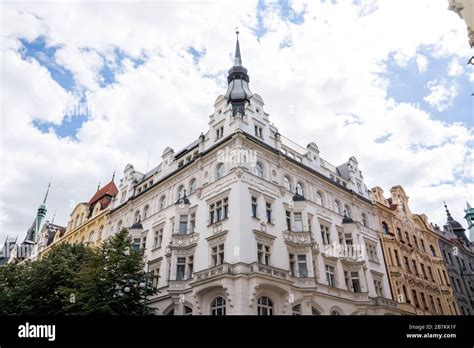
{"points": [[87, 220], [416, 270]]}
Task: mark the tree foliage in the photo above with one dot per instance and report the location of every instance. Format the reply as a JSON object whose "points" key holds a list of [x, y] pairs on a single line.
{"points": [[78, 280]]}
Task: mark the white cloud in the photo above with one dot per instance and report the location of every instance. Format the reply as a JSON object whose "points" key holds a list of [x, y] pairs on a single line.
{"points": [[421, 62], [329, 72], [455, 68], [441, 94]]}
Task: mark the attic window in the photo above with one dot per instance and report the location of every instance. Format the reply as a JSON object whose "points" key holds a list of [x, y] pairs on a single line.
{"points": [[180, 164]]}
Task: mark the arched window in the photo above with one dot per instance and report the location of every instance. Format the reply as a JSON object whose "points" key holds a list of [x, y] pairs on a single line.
{"points": [[433, 251], [91, 237], [145, 211], [180, 192], [319, 198], [219, 171], [299, 188], [136, 217], [337, 207], [162, 202], [101, 230], [187, 310], [287, 183], [259, 170], [347, 211], [296, 310], [264, 306], [218, 306], [334, 312], [192, 186], [365, 220], [77, 221], [119, 226], [384, 227], [314, 311]]}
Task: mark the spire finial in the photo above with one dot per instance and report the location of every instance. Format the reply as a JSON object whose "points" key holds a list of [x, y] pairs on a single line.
{"points": [[98, 186], [113, 176], [47, 191], [450, 218], [238, 58]]}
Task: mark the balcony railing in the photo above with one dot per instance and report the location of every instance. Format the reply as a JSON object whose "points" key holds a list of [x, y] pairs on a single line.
{"points": [[268, 270], [212, 272], [303, 237], [382, 301], [184, 240]]}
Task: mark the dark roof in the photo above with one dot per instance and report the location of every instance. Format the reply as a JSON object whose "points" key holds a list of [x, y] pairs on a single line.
{"points": [[108, 190]]}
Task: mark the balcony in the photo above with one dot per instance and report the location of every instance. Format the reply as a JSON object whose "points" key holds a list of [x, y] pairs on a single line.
{"points": [[184, 240], [382, 301], [178, 285], [299, 238], [269, 271], [213, 272]]}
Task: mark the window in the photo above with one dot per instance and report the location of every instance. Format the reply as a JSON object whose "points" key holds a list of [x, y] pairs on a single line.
{"points": [[371, 252], [292, 265], [219, 171], [268, 208], [407, 264], [302, 267], [433, 251], [298, 220], [219, 132], [192, 222], [263, 254], [325, 235], [365, 220], [180, 268], [119, 226], [348, 238], [415, 298], [347, 211], [254, 207], [183, 224], [145, 211], [396, 257], [405, 294], [190, 269], [415, 242], [101, 230], [319, 198], [219, 210], [299, 188], [407, 237], [264, 306], [258, 131], [162, 202], [218, 306], [188, 310], [296, 310], [314, 311], [91, 237], [259, 170], [423, 271], [385, 228], [137, 216], [287, 183], [355, 282], [378, 287], [158, 238], [415, 268], [288, 220], [337, 207], [423, 301], [136, 244], [432, 303], [330, 276], [399, 235], [439, 305], [192, 186], [430, 273], [217, 255], [422, 245], [335, 313], [143, 243]]}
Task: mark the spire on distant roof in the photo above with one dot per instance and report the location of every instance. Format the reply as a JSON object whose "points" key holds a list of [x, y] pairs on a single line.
{"points": [[47, 191], [238, 58], [450, 218]]}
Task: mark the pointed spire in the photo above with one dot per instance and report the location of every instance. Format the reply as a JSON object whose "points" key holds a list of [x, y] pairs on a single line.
{"points": [[238, 58], [98, 186], [113, 176], [450, 218], [46, 195]]}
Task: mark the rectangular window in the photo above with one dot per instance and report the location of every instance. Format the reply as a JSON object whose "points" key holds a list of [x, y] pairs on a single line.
{"points": [[183, 224], [439, 305], [217, 255], [348, 238], [158, 238], [326, 237], [415, 298], [258, 131], [415, 268], [143, 243], [263, 253], [396, 257], [269, 212], [430, 273], [192, 222], [347, 280], [378, 287], [330, 276], [288, 220], [407, 237], [180, 268], [302, 267], [218, 210], [298, 219], [422, 243], [399, 235], [432, 303], [415, 241], [423, 301], [190, 270], [136, 244], [292, 265], [254, 207], [219, 132], [355, 282], [423, 271], [407, 264]]}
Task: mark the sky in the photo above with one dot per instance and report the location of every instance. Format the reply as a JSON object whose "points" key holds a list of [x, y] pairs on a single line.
{"points": [[89, 86]]}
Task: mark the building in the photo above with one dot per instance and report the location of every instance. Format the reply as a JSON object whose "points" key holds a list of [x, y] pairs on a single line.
{"points": [[418, 277], [245, 221], [458, 254], [87, 221], [465, 10]]}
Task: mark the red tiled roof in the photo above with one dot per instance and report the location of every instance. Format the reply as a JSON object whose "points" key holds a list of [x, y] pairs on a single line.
{"points": [[108, 190]]}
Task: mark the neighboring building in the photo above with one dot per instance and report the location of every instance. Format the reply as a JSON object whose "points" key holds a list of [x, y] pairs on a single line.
{"points": [[418, 276], [245, 221], [458, 254], [29, 248], [8, 245], [465, 10], [87, 221], [470, 221]]}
